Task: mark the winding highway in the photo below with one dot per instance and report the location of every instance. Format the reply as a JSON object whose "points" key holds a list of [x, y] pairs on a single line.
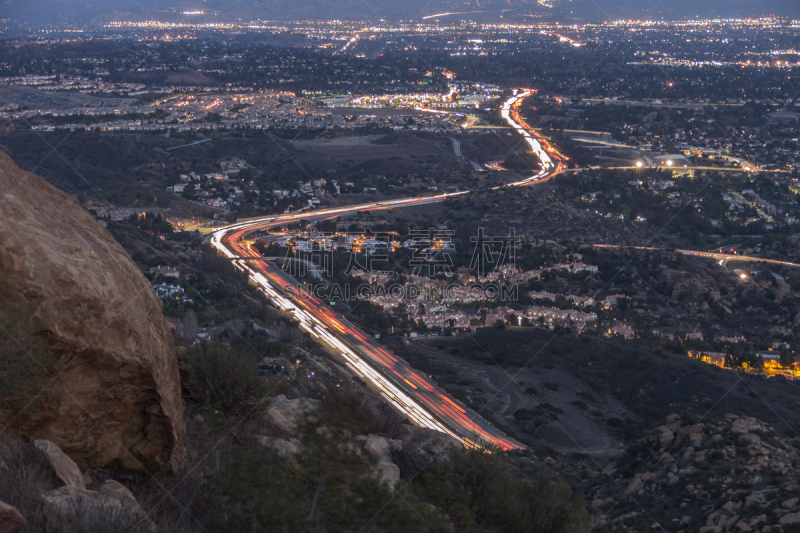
{"points": [[407, 390]]}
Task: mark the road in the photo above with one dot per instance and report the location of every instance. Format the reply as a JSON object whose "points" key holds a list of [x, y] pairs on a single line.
{"points": [[408, 391], [551, 161], [457, 151], [190, 144], [722, 258]]}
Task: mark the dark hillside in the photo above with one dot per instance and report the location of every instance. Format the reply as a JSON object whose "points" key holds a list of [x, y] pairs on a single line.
{"points": [[649, 384]]}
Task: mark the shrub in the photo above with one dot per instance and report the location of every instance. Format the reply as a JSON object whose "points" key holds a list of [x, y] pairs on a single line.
{"points": [[224, 378], [580, 405], [347, 407], [531, 390], [523, 414], [550, 385], [501, 501]]}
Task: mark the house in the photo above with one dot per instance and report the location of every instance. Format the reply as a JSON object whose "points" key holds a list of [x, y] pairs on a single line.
{"points": [[612, 299], [712, 358], [165, 271], [167, 290], [771, 359], [623, 330], [697, 336], [552, 314]]}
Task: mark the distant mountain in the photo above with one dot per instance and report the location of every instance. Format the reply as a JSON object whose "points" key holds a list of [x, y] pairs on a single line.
{"points": [[81, 11]]}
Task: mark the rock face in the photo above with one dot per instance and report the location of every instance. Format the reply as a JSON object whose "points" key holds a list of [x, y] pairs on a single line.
{"points": [[118, 388]]}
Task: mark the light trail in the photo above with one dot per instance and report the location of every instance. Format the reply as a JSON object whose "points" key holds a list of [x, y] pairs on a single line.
{"points": [[410, 393], [549, 157], [711, 255], [448, 14]]}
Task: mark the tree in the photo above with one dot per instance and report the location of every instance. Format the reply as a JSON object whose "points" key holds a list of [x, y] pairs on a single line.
{"points": [[787, 358], [189, 192]]}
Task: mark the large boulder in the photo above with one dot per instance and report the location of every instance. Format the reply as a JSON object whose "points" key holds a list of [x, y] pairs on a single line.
{"points": [[117, 389]]}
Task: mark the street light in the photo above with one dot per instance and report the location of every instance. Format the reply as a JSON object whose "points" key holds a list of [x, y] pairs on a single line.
{"points": [[669, 162], [639, 164]]}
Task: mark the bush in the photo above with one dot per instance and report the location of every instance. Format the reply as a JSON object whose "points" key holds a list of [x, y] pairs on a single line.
{"points": [[484, 491], [523, 414], [550, 385], [348, 408], [580, 405], [224, 378], [531, 390]]}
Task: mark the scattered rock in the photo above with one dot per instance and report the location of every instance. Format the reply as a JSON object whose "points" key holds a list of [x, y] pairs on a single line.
{"points": [[662, 436], [791, 503], [790, 519], [72, 508], [287, 415], [11, 520], [281, 446], [739, 427], [386, 471], [63, 469], [635, 485], [749, 438], [117, 490]]}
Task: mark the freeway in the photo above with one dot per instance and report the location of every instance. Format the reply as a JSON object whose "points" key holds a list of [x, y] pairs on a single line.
{"points": [[552, 162], [408, 391], [405, 389]]}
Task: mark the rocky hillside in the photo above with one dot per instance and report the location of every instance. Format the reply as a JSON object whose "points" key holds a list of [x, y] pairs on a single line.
{"points": [[711, 476], [111, 375]]}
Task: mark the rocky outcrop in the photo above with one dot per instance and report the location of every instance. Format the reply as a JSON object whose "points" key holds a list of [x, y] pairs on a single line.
{"points": [[731, 474], [118, 387]]}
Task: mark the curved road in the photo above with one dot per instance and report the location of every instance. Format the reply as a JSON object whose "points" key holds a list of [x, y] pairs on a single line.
{"points": [[408, 391]]}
